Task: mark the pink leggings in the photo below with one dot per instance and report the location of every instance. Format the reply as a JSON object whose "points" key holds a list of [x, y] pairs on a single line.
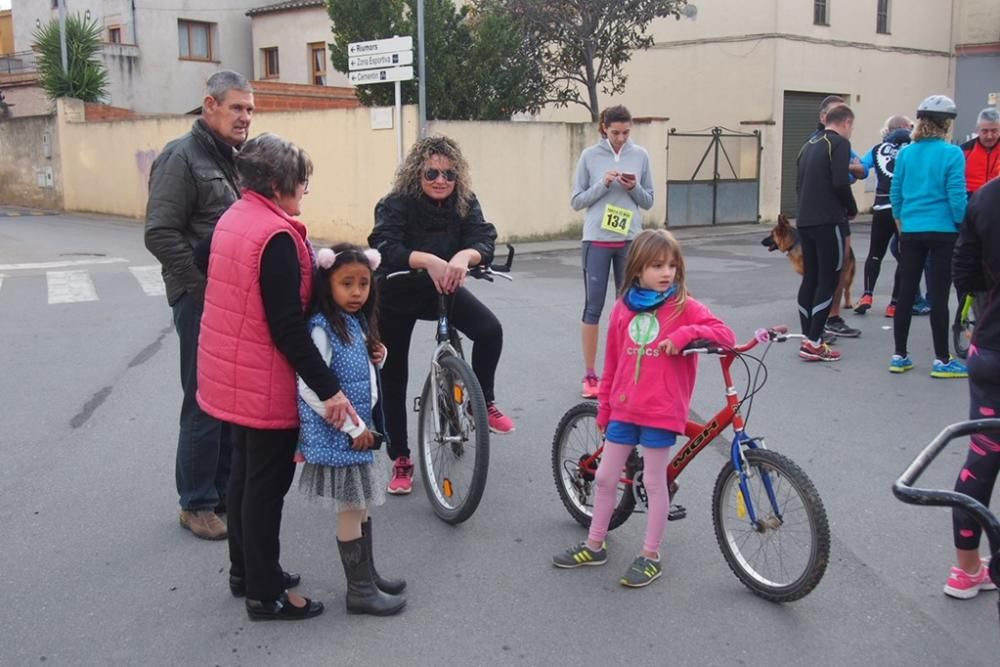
{"points": [[654, 478]]}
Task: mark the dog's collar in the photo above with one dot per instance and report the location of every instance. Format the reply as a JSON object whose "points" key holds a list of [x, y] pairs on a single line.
{"points": [[793, 246]]}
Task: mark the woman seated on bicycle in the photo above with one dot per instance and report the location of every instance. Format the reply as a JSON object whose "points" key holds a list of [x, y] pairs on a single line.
{"points": [[431, 220]]}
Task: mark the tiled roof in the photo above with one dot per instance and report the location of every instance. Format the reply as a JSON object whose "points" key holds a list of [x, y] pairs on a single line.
{"points": [[282, 6]]}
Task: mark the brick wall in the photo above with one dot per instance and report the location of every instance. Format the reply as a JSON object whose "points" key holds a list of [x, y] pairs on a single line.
{"points": [[278, 96], [104, 112]]}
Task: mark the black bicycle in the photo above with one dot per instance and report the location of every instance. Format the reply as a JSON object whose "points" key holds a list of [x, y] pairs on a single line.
{"points": [[453, 431], [905, 491]]}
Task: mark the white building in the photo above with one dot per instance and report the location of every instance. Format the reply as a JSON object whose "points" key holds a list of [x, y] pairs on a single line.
{"points": [[291, 43], [158, 54]]}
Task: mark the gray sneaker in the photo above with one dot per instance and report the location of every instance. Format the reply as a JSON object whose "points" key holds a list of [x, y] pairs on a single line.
{"points": [[838, 327], [642, 572], [581, 555]]}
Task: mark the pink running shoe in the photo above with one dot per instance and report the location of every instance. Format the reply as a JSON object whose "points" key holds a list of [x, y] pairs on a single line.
{"points": [[963, 585], [591, 383], [402, 477], [499, 422]]}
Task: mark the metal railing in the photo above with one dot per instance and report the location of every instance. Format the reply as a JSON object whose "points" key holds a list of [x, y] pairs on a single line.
{"points": [[19, 62]]}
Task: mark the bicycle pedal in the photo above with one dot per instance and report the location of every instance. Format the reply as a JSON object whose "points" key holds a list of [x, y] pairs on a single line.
{"points": [[677, 512]]}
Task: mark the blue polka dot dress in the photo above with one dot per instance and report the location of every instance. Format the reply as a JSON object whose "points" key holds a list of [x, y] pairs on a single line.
{"points": [[334, 473]]}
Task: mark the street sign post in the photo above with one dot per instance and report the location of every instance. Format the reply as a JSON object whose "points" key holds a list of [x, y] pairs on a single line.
{"points": [[383, 61]]}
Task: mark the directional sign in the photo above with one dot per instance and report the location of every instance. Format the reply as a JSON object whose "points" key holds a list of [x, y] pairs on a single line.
{"points": [[387, 75], [383, 60], [380, 46]]}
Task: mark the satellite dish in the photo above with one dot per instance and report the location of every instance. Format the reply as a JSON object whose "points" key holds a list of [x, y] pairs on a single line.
{"points": [[690, 11]]}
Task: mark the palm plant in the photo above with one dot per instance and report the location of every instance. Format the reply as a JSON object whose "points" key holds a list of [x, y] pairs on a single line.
{"points": [[86, 78]]}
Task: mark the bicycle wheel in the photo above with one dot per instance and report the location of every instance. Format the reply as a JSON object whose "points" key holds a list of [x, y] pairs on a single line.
{"points": [[961, 331], [783, 557], [454, 448], [576, 439]]}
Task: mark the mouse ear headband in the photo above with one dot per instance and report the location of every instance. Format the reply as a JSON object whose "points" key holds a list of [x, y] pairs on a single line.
{"points": [[326, 257]]}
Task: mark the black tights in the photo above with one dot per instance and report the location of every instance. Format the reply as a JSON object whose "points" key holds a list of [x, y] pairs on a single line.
{"points": [[822, 260], [982, 463], [883, 227], [398, 314], [914, 249]]}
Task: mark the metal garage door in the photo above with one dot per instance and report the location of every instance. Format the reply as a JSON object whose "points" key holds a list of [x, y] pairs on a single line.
{"points": [[801, 113]]}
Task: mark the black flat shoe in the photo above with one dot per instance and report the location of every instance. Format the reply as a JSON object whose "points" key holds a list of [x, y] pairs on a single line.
{"points": [[238, 585], [282, 610]]}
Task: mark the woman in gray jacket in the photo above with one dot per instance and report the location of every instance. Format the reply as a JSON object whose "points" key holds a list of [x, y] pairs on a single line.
{"points": [[613, 181]]}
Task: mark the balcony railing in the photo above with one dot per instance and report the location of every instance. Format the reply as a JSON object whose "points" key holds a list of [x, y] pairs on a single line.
{"points": [[19, 62]]}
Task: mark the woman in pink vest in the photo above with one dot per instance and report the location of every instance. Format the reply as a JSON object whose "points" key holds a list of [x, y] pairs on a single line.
{"points": [[254, 339]]}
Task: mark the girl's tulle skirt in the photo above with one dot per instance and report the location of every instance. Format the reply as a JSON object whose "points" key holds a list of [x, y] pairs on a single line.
{"points": [[355, 487]]}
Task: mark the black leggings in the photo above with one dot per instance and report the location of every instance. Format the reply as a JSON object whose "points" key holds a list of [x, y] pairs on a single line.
{"points": [[822, 260], [398, 314], [883, 228], [983, 460], [914, 249]]}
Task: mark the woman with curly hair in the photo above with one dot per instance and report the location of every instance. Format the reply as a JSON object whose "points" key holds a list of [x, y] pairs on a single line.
{"points": [[431, 220]]}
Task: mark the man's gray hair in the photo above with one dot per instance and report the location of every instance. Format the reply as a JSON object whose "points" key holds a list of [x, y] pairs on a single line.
{"points": [[225, 80], [988, 115]]}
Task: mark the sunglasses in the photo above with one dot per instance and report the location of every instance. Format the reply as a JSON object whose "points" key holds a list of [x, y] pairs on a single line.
{"points": [[432, 174]]}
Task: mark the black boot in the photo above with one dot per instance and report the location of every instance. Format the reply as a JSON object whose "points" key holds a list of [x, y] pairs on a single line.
{"points": [[391, 586], [363, 596]]}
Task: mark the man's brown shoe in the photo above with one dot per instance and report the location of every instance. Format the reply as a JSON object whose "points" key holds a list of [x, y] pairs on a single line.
{"points": [[204, 524]]}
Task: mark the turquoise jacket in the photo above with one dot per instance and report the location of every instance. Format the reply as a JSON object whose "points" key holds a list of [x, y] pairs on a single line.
{"points": [[928, 187]]}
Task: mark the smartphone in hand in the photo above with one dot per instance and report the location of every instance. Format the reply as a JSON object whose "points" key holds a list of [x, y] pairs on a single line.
{"points": [[628, 175]]}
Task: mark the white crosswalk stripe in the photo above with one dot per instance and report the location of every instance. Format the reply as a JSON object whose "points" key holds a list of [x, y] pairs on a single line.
{"points": [[70, 287], [150, 279]]}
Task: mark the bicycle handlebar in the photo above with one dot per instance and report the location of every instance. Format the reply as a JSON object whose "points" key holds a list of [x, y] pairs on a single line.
{"points": [[479, 272], [907, 493], [775, 334]]}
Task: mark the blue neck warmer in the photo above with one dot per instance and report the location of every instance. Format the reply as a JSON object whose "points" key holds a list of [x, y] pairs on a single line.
{"points": [[640, 300]]}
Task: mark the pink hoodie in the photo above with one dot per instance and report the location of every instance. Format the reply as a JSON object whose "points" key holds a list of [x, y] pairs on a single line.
{"points": [[661, 397]]}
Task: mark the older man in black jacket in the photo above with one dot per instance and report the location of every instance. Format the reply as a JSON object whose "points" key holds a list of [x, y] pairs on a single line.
{"points": [[191, 184]]}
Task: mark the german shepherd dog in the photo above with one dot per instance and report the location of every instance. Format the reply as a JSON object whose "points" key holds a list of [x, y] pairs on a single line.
{"points": [[785, 237]]}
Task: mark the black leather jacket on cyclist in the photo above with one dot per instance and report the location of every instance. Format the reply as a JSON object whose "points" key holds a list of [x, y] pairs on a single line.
{"points": [[405, 224]]}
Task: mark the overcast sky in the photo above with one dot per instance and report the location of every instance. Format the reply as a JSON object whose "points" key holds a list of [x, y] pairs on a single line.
{"points": [[4, 4]]}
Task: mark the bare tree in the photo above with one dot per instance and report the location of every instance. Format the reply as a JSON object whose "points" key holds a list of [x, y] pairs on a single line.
{"points": [[584, 44]]}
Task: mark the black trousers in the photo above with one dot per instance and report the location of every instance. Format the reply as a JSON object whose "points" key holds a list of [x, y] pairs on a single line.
{"points": [[883, 228], [822, 260], [914, 249], [398, 313], [261, 474]]}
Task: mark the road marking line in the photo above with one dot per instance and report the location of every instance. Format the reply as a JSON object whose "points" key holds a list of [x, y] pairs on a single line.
{"points": [[150, 279], [59, 265], [70, 287]]}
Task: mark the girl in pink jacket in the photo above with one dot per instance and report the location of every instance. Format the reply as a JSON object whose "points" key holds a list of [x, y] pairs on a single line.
{"points": [[645, 392]]}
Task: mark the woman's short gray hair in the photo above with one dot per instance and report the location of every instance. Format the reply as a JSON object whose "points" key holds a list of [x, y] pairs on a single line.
{"points": [[988, 115], [270, 165]]}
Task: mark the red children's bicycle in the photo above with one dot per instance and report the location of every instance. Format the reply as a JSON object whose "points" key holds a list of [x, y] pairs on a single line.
{"points": [[769, 519]]}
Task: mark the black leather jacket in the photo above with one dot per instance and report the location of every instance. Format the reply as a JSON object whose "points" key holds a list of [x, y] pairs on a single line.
{"points": [[191, 184]]}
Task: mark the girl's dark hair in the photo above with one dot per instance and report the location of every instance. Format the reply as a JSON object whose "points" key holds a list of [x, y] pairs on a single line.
{"points": [[323, 303], [615, 114]]}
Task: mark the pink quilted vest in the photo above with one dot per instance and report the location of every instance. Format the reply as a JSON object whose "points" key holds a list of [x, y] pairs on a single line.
{"points": [[242, 377]]}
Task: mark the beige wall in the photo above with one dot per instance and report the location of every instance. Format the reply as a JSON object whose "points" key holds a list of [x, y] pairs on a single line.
{"points": [[978, 22], [522, 172], [291, 31], [30, 150]]}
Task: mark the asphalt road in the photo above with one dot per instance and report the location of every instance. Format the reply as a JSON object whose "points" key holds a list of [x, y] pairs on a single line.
{"points": [[96, 570]]}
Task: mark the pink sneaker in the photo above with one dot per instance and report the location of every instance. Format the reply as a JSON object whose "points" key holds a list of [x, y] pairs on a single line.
{"points": [[499, 422], [402, 477], [591, 383], [963, 585]]}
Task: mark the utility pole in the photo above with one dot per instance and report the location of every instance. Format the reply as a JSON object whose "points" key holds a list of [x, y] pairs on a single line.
{"points": [[422, 65], [62, 36]]}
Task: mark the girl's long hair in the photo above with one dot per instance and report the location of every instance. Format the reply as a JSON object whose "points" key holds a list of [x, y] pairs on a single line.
{"points": [[410, 173], [323, 303], [649, 246], [931, 128]]}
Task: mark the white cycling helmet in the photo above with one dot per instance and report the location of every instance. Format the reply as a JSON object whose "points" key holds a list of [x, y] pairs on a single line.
{"points": [[937, 107]]}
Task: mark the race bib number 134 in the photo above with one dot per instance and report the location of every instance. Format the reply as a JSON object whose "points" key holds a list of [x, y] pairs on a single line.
{"points": [[617, 219]]}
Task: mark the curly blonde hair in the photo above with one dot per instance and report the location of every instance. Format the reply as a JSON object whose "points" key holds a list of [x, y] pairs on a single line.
{"points": [[931, 128], [410, 173]]}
